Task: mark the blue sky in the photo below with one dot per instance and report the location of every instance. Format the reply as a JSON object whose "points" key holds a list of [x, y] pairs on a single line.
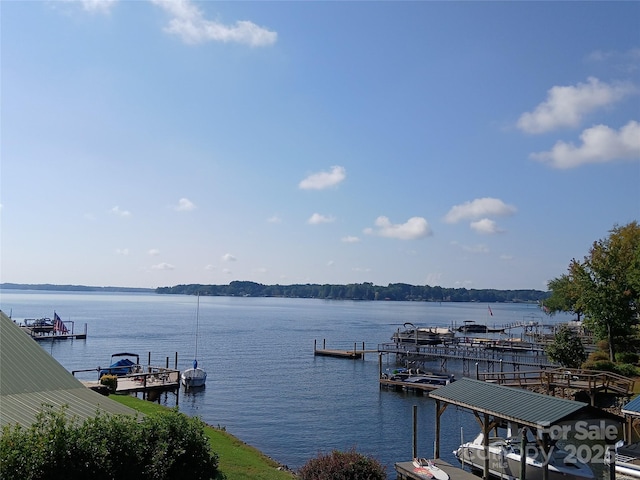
{"points": [[460, 144]]}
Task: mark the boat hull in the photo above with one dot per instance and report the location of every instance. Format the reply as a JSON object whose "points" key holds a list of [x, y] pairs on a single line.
{"points": [[193, 378], [504, 463]]}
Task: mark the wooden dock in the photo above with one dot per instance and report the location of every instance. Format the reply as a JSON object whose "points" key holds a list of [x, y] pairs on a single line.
{"points": [[353, 353], [405, 471]]}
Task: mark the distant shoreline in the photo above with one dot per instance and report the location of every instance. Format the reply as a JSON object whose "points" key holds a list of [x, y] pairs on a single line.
{"points": [[361, 291], [72, 288]]}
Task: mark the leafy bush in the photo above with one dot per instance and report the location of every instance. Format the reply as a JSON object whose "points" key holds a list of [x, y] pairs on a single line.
{"points": [[627, 357], [597, 356], [626, 369], [343, 466], [602, 365], [110, 381], [163, 446]]}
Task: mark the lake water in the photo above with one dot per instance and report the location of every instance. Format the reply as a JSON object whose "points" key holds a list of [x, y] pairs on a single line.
{"points": [[264, 384]]}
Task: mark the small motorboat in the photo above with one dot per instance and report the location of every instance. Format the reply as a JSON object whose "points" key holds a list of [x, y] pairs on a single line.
{"points": [[423, 335], [127, 364], [505, 458]]}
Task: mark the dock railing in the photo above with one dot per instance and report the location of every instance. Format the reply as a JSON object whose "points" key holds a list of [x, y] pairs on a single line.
{"points": [[565, 378]]}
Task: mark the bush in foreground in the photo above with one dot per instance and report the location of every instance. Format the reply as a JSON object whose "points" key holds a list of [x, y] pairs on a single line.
{"points": [[343, 466], [160, 447]]}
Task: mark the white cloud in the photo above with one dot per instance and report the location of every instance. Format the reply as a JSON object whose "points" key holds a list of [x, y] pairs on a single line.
{"points": [[479, 208], [414, 228], [350, 239], [485, 226], [322, 180], [163, 266], [479, 248], [274, 219], [210, 267], [318, 218], [600, 144], [188, 22], [122, 251], [97, 6], [121, 213], [506, 257], [566, 106], [184, 205], [154, 252], [227, 257]]}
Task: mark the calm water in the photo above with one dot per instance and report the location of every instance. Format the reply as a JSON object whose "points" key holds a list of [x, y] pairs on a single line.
{"points": [[264, 384]]}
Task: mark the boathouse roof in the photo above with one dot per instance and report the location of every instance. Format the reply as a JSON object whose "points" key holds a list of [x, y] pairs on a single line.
{"points": [[524, 407], [632, 408], [31, 378]]}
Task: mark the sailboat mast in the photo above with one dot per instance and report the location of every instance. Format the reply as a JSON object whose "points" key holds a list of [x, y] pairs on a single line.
{"points": [[197, 324]]}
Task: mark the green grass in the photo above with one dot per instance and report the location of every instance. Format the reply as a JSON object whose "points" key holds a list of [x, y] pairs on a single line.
{"points": [[237, 460]]}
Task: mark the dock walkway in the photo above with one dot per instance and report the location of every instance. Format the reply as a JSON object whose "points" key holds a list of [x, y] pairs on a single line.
{"points": [[405, 471]]}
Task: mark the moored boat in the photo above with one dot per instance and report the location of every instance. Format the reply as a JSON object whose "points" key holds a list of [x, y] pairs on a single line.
{"points": [[627, 459], [423, 335], [505, 457], [194, 377]]}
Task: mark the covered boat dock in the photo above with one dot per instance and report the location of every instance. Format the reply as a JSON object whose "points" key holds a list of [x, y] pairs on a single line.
{"points": [[548, 418]]}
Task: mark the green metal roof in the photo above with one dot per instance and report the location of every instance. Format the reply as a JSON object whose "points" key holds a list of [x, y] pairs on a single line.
{"points": [[30, 377], [521, 406]]}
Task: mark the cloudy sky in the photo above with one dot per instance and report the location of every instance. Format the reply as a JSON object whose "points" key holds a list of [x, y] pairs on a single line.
{"points": [[461, 144]]}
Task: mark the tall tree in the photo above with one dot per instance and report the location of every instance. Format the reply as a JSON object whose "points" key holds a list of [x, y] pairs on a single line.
{"points": [[605, 286]]}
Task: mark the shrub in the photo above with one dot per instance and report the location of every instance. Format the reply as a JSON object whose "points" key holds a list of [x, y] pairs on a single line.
{"points": [[110, 381], [163, 446], [597, 356], [627, 357], [626, 369], [602, 365], [343, 466]]}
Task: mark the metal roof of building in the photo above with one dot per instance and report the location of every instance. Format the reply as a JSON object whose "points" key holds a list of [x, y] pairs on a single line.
{"points": [[521, 406], [632, 408], [31, 378]]}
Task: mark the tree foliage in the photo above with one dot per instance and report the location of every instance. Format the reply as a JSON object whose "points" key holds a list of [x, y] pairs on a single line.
{"points": [[567, 348], [605, 286], [163, 446], [338, 465], [359, 291]]}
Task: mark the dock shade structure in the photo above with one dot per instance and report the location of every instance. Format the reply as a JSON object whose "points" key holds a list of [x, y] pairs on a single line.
{"points": [[548, 418], [31, 378]]}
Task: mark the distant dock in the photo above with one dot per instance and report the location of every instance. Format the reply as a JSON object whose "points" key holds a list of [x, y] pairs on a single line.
{"points": [[353, 353], [46, 329]]}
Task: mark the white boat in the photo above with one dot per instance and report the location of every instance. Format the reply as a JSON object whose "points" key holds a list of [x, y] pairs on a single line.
{"points": [[505, 458], [424, 468], [195, 376], [627, 459], [423, 335]]}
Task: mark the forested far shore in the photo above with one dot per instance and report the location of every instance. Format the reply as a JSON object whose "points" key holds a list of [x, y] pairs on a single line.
{"points": [[359, 291], [72, 288]]}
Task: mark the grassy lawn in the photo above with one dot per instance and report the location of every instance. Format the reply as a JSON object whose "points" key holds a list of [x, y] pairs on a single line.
{"points": [[237, 460]]}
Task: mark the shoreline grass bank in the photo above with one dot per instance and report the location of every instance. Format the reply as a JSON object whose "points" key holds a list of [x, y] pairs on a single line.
{"points": [[237, 460]]}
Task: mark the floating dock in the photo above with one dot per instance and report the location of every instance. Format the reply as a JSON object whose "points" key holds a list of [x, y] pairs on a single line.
{"points": [[354, 353], [406, 471]]}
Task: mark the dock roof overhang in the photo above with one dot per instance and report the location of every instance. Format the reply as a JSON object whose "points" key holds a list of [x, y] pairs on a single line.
{"points": [[523, 407], [31, 378], [632, 408]]}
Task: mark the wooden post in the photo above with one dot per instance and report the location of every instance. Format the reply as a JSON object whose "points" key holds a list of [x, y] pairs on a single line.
{"points": [[149, 359], [362, 350], [414, 450], [436, 446], [379, 366], [485, 443], [175, 365], [315, 342], [523, 454]]}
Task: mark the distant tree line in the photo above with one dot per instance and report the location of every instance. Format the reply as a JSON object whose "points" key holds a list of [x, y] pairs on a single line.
{"points": [[71, 288], [358, 291]]}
